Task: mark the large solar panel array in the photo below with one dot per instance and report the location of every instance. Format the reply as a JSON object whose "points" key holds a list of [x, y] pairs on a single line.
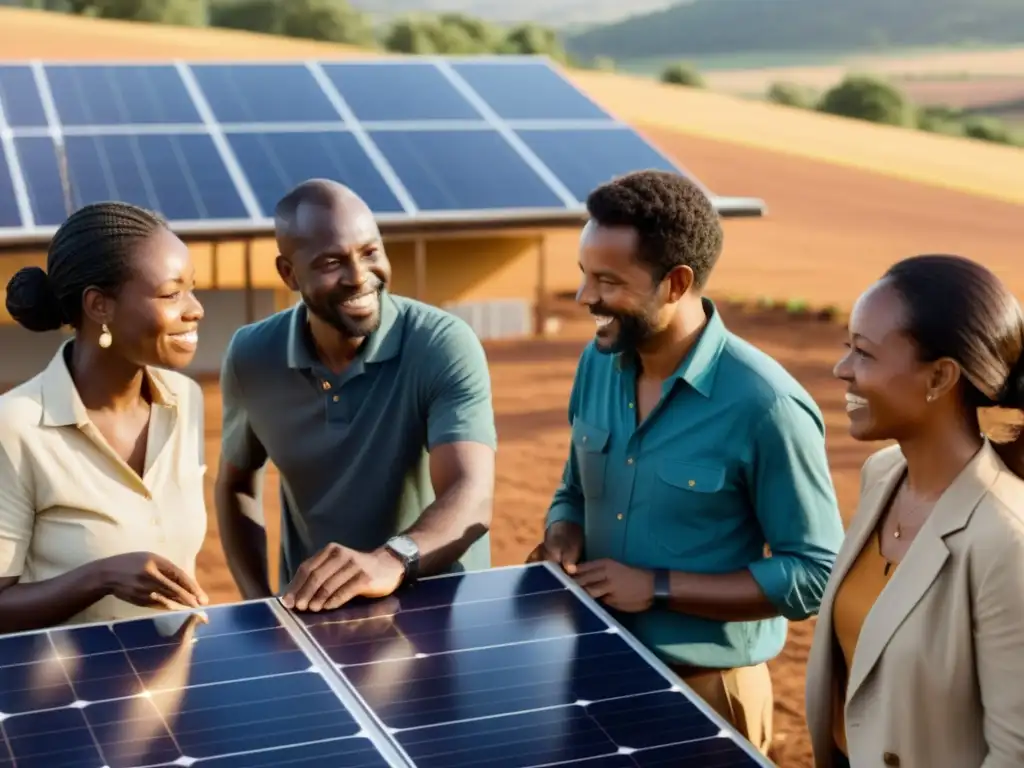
{"points": [[506, 668], [213, 146]]}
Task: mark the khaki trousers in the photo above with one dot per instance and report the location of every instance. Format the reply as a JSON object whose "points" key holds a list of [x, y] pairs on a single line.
{"points": [[742, 696]]}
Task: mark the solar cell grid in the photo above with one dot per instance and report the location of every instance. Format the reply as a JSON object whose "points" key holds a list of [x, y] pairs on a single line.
{"points": [[406, 92], [585, 158], [511, 668], [241, 94], [19, 98], [213, 146], [463, 170], [276, 162], [182, 176], [104, 95], [10, 216], [527, 90], [141, 694]]}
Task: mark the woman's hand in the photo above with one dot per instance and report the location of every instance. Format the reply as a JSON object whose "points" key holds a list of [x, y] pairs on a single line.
{"points": [[150, 581]]}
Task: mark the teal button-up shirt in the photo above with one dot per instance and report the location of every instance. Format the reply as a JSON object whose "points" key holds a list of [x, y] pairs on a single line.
{"points": [[730, 460]]}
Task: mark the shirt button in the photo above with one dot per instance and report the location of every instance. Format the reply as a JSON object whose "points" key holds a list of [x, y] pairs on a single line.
{"points": [[629, 460], [618, 516], [691, 483], [335, 398], [630, 405], [326, 385]]}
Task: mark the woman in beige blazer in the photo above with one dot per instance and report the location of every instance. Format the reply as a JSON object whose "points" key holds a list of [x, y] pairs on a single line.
{"points": [[102, 511], [918, 654]]}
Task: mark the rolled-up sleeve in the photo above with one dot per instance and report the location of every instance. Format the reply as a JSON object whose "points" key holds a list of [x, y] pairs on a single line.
{"points": [[17, 515], [567, 503], [795, 503]]}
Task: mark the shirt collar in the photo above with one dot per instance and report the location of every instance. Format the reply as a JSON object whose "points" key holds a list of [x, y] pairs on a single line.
{"points": [[700, 365], [63, 406], [383, 344]]}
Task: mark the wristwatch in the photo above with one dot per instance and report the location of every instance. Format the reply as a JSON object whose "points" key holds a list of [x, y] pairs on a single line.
{"points": [[408, 554], [662, 587]]}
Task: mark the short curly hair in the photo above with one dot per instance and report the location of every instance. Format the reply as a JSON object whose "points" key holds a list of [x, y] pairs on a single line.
{"points": [[676, 222]]}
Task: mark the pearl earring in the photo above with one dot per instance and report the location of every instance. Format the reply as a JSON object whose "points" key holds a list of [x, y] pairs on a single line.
{"points": [[106, 339], [930, 397]]}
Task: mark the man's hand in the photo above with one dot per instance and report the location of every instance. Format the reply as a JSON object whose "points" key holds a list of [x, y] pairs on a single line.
{"points": [[563, 544], [616, 585], [336, 574]]}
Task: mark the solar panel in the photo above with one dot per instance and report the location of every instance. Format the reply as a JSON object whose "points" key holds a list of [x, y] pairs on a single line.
{"points": [[104, 95], [213, 146], [508, 668]]}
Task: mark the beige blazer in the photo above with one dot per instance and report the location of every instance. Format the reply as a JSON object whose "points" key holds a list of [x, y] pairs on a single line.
{"points": [[937, 679]]}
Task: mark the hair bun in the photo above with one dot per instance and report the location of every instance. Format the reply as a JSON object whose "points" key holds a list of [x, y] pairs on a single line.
{"points": [[32, 302], [1012, 395]]}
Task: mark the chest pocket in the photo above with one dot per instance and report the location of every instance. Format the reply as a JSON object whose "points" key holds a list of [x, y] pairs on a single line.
{"points": [[591, 445], [686, 505]]}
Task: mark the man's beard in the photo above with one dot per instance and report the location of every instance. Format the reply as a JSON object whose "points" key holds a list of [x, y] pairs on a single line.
{"points": [[632, 329], [328, 310]]}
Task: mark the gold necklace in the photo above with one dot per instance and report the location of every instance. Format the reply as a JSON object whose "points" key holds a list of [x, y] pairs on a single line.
{"points": [[898, 532]]}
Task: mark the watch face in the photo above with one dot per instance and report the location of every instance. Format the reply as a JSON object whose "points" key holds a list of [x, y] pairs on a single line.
{"points": [[403, 546]]}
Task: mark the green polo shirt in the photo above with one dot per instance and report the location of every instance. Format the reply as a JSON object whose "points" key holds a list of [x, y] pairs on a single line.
{"points": [[731, 459], [352, 448]]}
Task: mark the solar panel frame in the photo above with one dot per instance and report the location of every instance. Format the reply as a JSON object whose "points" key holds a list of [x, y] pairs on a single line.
{"points": [[299, 631], [260, 221]]}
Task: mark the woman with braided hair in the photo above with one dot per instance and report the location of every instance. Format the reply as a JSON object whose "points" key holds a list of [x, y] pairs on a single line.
{"points": [[101, 454]]}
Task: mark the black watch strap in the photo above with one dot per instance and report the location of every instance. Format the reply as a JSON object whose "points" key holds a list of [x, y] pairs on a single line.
{"points": [[405, 549], [662, 586]]}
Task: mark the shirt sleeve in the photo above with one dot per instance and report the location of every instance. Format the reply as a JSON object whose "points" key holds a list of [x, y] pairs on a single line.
{"points": [[17, 515], [998, 629], [567, 503], [796, 505], [459, 404], [240, 447]]}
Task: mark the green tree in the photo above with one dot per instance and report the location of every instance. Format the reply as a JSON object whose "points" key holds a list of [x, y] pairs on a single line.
{"points": [[989, 129], [475, 35], [533, 39], [682, 73], [938, 118], [411, 36], [184, 12], [792, 95], [449, 33], [330, 20], [867, 98]]}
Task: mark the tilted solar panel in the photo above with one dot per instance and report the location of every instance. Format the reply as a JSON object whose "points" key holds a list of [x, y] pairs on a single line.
{"points": [[506, 668], [213, 146], [240, 692]]}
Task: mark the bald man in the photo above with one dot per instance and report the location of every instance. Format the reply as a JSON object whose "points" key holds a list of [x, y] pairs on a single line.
{"points": [[375, 409]]}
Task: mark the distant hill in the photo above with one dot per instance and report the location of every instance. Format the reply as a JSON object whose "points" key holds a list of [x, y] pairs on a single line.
{"points": [[551, 13], [707, 27]]}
